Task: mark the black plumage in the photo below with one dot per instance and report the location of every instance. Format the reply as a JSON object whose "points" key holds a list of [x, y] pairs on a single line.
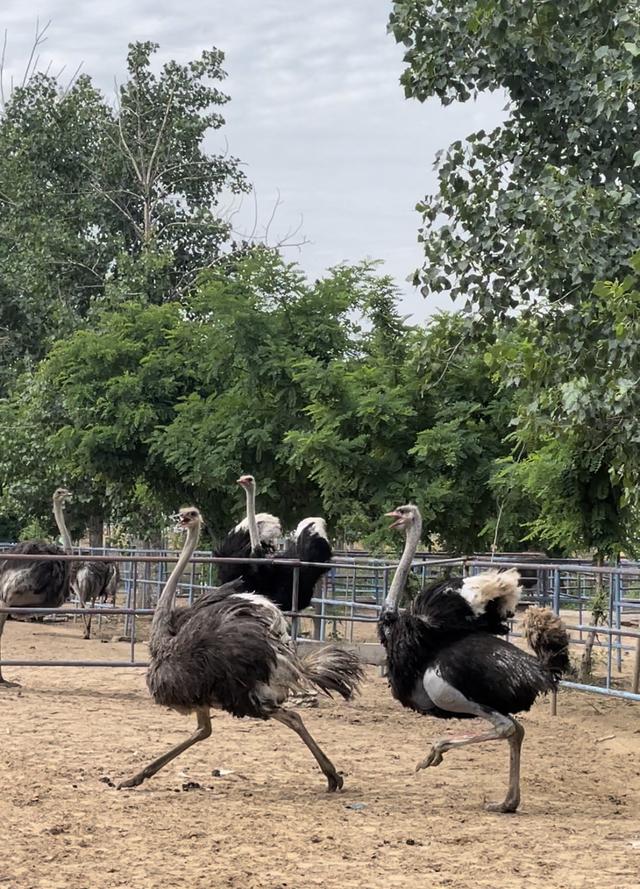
{"points": [[236, 545], [231, 651], [487, 670], [445, 660], [441, 600]]}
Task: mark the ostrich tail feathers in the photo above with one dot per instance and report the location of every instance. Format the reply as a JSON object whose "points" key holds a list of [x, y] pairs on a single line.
{"points": [[547, 636], [333, 669]]}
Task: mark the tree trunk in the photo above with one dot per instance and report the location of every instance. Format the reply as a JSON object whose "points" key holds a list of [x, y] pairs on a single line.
{"points": [[96, 532]]}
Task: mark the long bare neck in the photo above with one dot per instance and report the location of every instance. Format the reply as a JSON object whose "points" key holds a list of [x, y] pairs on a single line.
{"points": [[168, 595], [58, 512], [399, 581], [251, 518]]}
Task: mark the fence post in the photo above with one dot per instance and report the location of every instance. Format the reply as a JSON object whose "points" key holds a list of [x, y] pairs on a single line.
{"points": [[294, 604], [134, 599], [635, 685], [556, 608]]}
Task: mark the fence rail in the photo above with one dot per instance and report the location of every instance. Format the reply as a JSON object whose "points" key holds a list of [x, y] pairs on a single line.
{"points": [[349, 598]]}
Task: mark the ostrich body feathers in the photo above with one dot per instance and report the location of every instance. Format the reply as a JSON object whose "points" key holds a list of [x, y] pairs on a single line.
{"points": [[34, 584], [231, 651]]}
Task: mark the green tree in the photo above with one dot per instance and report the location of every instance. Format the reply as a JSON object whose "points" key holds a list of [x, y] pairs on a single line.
{"points": [[320, 389], [537, 212], [107, 203], [414, 415]]}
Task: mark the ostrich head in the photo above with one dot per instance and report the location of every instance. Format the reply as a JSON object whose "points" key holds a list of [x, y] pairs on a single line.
{"points": [[247, 482], [60, 496], [406, 517], [187, 518]]}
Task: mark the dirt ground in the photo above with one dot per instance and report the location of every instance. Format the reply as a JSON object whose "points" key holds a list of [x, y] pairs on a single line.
{"points": [[267, 823]]}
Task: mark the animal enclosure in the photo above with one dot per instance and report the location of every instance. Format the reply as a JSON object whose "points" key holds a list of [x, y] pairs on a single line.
{"points": [[247, 808], [347, 603]]}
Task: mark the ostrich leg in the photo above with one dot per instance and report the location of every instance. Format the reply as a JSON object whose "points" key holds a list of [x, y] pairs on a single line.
{"points": [[5, 682], [506, 728], [203, 731], [87, 620], [291, 719]]}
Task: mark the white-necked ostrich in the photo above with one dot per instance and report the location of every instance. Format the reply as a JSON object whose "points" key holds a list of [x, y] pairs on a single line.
{"points": [[254, 537], [445, 661], [37, 584], [231, 651]]}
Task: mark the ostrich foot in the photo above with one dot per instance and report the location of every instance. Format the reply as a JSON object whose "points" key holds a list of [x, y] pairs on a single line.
{"points": [[132, 782], [509, 805], [434, 757], [7, 684], [334, 782]]}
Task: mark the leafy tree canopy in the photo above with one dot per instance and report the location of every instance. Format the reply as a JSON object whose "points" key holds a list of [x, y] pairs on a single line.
{"points": [[320, 389], [98, 200]]}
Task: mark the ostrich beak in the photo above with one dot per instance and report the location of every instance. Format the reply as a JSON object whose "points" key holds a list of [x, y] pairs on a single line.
{"points": [[244, 481], [399, 518]]}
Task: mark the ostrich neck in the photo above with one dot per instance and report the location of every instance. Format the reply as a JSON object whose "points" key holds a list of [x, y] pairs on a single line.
{"points": [[251, 519], [58, 513], [168, 594], [404, 565]]}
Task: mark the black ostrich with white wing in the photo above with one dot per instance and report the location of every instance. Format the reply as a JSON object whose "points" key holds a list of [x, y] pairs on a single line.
{"points": [[231, 651], [444, 659], [37, 583], [254, 537]]}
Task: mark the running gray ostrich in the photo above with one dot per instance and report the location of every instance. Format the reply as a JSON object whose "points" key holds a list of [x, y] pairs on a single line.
{"points": [[37, 584], [254, 537], [445, 661], [231, 651]]}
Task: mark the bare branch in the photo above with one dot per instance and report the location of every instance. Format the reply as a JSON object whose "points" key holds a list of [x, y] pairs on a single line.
{"points": [[38, 41], [123, 141], [277, 203], [2, 64], [72, 79], [163, 125]]}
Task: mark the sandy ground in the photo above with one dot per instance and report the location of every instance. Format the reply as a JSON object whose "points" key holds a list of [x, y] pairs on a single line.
{"points": [[268, 822]]}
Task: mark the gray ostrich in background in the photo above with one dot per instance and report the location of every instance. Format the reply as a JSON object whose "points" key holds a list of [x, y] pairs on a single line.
{"points": [[93, 581], [37, 584], [231, 651]]}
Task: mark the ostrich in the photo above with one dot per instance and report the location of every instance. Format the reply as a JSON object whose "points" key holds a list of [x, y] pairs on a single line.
{"points": [[37, 584], [91, 581], [231, 651], [254, 536], [444, 660]]}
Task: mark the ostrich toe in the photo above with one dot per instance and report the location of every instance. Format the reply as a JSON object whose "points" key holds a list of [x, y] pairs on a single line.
{"points": [[434, 758]]}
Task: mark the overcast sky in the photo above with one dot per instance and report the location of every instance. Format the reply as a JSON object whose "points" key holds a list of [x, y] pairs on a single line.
{"points": [[316, 109]]}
